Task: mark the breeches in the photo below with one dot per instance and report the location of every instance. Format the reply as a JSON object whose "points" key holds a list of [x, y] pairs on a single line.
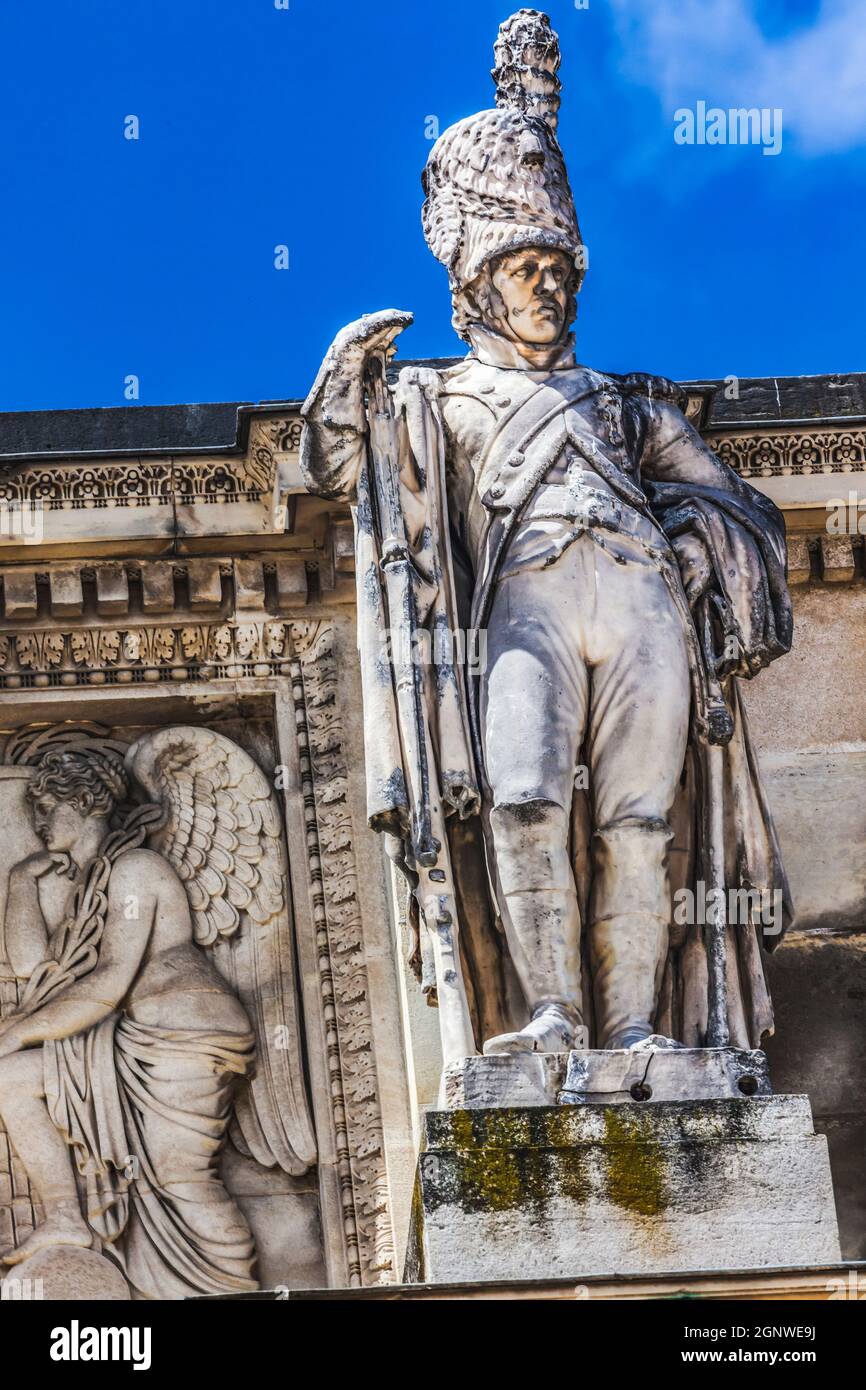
{"points": [[586, 652], [588, 658]]}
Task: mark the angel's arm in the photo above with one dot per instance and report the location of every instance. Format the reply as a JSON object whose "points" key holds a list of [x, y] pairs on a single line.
{"points": [[24, 927], [89, 1000]]}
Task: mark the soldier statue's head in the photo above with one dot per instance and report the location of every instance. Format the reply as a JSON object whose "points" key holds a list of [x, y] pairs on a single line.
{"points": [[499, 211]]}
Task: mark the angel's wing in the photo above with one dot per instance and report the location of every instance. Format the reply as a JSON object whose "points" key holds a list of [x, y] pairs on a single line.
{"points": [[223, 835]]}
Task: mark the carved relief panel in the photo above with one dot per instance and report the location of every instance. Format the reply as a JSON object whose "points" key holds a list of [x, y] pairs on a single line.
{"points": [[150, 1017], [190, 1091]]}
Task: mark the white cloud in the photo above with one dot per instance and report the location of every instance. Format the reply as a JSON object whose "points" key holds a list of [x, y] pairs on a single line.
{"points": [[686, 50]]}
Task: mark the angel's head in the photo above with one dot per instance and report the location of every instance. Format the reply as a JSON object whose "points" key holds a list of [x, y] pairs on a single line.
{"points": [[70, 788]]}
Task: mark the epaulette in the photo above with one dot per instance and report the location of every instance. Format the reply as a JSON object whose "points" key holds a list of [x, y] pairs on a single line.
{"points": [[655, 388]]}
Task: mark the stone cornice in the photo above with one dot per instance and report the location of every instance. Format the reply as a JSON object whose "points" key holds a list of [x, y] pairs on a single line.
{"points": [[229, 484], [223, 428], [48, 436]]}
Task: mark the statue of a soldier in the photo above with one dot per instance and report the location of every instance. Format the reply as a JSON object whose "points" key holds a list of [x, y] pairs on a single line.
{"points": [[552, 799]]}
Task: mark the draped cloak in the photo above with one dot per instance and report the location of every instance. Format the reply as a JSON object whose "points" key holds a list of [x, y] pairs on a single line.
{"points": [[744, 536]]}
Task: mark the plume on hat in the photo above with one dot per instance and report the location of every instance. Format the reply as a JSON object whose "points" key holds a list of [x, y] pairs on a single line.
{"points": [[496, 182]]}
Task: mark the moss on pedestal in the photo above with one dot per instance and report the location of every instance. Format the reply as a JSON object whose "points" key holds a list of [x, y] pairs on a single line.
{"points": [[635, 1169]]}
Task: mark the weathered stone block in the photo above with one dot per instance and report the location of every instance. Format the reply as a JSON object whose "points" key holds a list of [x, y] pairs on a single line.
{"points": [[604, 1077], [67, 598], [837, 559], [291, 575], [574, 1191], [249, 583], [659, 1074], [799, 561], [157, 586], [504, 1079], [20, 593], [205, 585], [112, 590]]}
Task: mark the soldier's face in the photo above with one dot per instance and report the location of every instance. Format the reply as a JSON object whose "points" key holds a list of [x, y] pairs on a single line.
{"points": [[533, 285]]}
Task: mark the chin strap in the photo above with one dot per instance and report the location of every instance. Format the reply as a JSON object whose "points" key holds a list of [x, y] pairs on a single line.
{"points": [[499, 348]]}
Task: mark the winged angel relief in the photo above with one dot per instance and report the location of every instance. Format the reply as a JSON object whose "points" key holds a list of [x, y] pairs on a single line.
{"points": [[156, 1008]]}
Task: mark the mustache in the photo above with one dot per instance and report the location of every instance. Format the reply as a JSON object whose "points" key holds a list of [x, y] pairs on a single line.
{"points": [[538, 303]]}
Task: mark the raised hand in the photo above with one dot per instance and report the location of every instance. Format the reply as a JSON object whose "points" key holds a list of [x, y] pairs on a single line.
{"points": [[369, 334], [333, 442]]}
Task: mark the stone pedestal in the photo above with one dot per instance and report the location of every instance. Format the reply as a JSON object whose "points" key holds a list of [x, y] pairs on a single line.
{"points": [[648, 1073], [597, 1189]]}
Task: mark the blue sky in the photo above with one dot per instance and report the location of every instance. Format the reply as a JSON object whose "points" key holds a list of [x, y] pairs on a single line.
{"points": [[261, 126]]}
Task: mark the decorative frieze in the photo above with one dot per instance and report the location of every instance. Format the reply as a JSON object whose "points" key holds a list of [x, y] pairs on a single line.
{"points": [[139, 653], [275, 440], [139, 482], [789, 453], [76, 486]]}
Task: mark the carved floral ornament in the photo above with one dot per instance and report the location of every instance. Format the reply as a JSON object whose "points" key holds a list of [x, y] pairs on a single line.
{"points": [[346, 1007], [794, 453], [159, 482]]}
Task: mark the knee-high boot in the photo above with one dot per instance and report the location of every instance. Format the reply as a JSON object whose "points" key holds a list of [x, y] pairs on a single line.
{"points": [[629, 927]]}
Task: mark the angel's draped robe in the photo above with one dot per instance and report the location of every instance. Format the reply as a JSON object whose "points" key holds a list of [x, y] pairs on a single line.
{"points": [[145, 1111]]}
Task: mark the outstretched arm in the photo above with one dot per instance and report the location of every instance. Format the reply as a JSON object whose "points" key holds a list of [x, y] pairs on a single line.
{"points": [[87, 1001]]}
